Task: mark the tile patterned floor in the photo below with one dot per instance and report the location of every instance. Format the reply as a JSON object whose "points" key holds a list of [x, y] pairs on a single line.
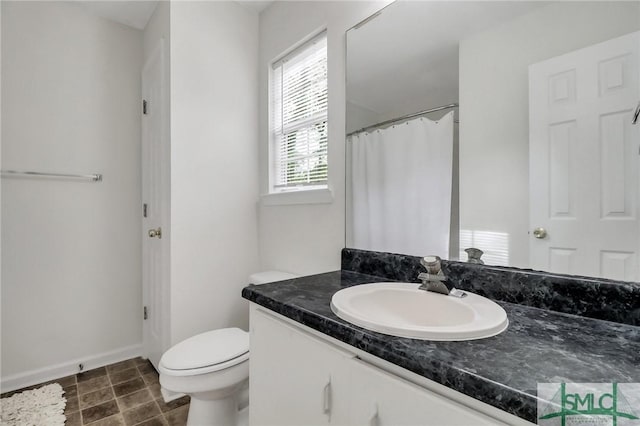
{"points": [[125, 393]]}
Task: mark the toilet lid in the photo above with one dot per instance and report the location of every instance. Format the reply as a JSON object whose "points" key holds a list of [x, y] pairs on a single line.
{"points": [[207, 349]]}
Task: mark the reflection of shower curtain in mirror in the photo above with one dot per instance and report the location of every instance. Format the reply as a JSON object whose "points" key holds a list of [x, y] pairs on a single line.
{"points": [[401, 187]]}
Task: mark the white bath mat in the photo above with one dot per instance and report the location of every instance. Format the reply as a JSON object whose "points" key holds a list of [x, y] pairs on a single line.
{"points": [[38, 407]]}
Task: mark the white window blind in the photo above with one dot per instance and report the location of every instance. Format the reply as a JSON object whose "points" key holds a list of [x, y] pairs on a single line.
{"points": [[299, 118]]}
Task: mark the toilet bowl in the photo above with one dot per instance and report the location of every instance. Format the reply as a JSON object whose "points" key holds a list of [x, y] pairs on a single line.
{"points": [[213, 369]]}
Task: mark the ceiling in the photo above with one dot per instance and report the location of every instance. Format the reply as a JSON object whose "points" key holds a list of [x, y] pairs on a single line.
{"points": [[137, 13]]}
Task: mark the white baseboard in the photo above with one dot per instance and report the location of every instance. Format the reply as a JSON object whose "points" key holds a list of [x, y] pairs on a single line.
{"points": [[40, 375]]}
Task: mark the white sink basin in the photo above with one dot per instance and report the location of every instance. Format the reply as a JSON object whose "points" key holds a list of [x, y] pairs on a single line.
{"points": [[400, 309]]}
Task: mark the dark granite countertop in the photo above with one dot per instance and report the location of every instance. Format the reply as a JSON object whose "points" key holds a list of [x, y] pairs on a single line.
{"points": [[539, 346]]}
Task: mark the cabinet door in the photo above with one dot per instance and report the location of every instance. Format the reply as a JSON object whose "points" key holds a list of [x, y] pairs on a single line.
{"points": [[381, 399], [294, 378]]}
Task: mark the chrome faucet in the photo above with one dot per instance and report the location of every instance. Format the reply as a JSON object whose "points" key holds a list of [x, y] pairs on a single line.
{"points": [[434, 279]]}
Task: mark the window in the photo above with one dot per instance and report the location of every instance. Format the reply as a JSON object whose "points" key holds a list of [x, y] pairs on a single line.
{"points": [[299, 118]]}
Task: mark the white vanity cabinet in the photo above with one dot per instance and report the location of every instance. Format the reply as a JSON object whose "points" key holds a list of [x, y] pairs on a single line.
{"points": [[295, 379], [299, 378], [381, 399]]}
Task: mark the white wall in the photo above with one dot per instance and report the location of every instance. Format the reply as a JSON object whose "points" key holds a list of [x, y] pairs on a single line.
{"points": [[214, 179], [359, 117], [494, 132], [71, 250], [307, 238], [158, 28]]}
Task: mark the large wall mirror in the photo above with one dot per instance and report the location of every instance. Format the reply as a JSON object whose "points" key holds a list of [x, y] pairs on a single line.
{"points": [[502, 126]]}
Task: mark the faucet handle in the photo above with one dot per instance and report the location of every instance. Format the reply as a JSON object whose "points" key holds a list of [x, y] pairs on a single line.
{"points": [[475, 255], [431, 264]]}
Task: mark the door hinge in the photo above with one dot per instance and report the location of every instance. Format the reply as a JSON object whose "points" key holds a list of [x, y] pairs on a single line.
{"points": [[145, 313], [145, 105], [144, 210]]}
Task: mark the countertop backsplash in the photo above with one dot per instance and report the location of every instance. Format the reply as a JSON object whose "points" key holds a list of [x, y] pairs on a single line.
{"points": [[617, 301]]}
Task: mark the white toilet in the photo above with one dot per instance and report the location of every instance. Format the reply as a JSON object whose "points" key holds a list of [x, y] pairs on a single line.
{"points": [[213, 368]]}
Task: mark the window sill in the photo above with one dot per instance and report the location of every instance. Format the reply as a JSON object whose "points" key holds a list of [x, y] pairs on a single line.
{"points": [[309, 196]]}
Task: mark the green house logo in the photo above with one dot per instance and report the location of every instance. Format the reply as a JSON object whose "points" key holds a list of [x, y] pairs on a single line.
{"points": [[590, 404]]}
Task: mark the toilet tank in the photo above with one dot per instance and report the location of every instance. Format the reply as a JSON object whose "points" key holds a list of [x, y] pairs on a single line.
{"points": [[270, 277]]}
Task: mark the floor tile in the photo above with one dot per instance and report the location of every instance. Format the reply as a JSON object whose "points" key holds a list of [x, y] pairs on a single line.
{"points": [[156, 421], [140, 361], [70, 391], [93, 385], [177, 417], [151, 378], [99, 412], [147, 367], [91, 374], [155, 391], [134, 399], [122, 394], [128, 387], [141, 413], [119, 366], [124, 376], [115, 420], [66, 381], [73, 419], [168, 406], [72, 405], [94, 398]]}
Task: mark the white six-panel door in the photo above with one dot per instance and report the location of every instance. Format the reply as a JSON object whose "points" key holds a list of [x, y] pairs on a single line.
{"points": [[584, 155]]}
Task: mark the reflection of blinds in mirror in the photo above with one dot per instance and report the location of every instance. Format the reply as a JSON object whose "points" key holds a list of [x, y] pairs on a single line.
{"points": [[494, 244], [299, 117]]}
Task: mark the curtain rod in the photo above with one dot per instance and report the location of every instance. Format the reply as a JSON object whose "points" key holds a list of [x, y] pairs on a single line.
{"points": [[94, 177], [405, 117]]}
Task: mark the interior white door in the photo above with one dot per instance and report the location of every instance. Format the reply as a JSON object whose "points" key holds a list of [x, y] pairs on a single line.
{"points": [[584, 153], [155, 224]]}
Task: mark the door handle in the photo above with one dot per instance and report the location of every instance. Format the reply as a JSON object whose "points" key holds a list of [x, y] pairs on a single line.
{"points": [[374, 420], [326, 395], [636, 115], [153, 233], [540, 233]]}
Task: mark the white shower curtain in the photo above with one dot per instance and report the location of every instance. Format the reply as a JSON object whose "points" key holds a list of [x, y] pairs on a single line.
{"points": [[401, 187]]}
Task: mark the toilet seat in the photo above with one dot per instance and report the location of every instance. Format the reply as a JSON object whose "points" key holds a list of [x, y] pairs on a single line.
{"points": [[206, 352]]}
